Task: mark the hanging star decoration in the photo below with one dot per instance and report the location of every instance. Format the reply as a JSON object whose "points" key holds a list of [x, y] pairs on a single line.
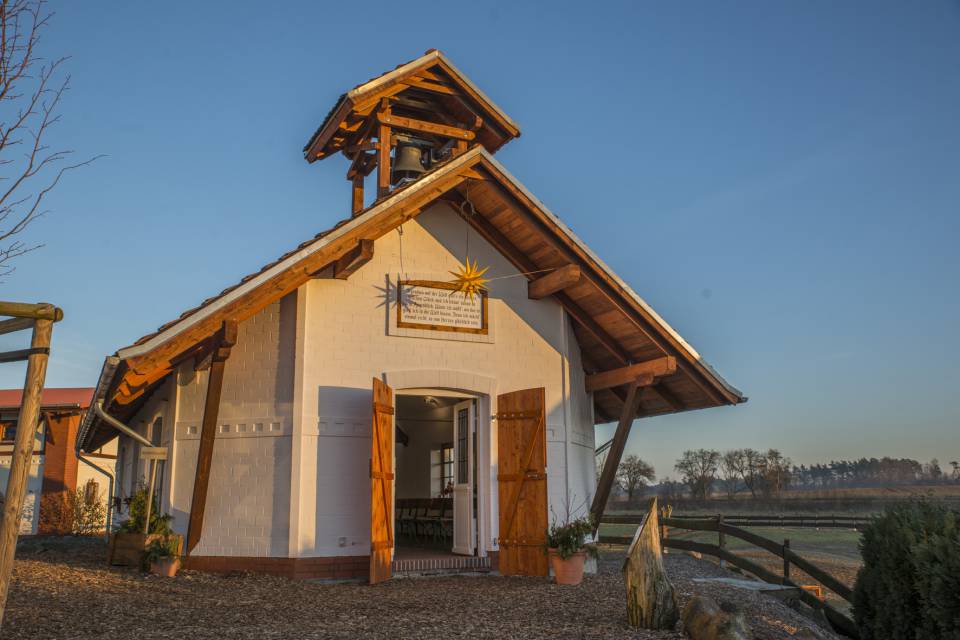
{"points": [[469, 279]]}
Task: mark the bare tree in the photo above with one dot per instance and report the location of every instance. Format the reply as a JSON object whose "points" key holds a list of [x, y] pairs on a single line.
{"points": [[699, 469], [753, 469], [776, 474], [632, 473], [733, 465], [30, 94]]}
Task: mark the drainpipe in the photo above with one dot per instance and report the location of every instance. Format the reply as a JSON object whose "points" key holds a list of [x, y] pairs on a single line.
{"points": [[119, 426], [109, 491]]}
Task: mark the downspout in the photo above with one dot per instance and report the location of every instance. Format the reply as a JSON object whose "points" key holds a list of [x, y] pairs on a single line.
{"points": [[119, 426], [109, 491]]}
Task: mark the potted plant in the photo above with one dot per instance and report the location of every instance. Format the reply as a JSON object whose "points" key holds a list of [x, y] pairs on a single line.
{"points": [[129, 542], [568, 549], [163, 556]]}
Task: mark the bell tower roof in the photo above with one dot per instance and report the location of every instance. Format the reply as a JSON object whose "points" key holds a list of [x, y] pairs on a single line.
{"points": [[428, 98]]}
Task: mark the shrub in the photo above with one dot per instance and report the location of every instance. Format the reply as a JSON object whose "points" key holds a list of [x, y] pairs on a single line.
{"points": [[162, 549], [137, 512], [80, 513], [910, 578], [571, 537]]}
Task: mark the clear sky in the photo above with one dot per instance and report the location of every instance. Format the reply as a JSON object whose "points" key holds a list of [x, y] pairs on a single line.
{"points": [[791, 171]]}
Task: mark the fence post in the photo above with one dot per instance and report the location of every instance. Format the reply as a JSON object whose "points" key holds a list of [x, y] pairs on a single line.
{"points": [[22, 453], [722, 538], [786, 560], [664, 513]]}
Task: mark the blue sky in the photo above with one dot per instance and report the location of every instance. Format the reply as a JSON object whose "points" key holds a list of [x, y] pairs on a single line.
{"points": [[781, 181]]}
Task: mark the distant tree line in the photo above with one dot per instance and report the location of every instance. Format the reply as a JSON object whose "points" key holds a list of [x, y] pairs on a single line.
{"points": [[766, 474]]}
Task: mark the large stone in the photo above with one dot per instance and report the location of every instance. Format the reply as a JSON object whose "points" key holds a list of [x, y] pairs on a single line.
{"points": [[704, 619], [651, 603]]}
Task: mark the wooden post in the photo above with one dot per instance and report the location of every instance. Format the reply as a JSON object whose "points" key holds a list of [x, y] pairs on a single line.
{"points": [[664, 534], [630, 406], [22, 454], [356, 203], [383, 162], [225, 339], [786, 561], [722, 538], [153, 480]]}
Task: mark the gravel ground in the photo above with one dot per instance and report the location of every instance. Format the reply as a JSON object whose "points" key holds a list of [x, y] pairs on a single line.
{"points": [[62, 588]]}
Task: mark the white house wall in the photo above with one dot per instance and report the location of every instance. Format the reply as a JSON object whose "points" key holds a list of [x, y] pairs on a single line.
{"points": [[247, 508], [289, 475], [345, 332]]}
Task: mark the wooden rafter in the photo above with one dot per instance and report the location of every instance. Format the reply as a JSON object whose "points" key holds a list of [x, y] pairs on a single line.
{"points": [[348, 264], [493, 235], [557, 280], [609, 290], [660, 391]]}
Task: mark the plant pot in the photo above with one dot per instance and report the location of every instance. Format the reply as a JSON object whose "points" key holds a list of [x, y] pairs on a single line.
{"points": [[127, 549], [570, 570], [166, 567]]}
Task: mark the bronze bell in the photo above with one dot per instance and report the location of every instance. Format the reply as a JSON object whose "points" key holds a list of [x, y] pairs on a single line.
{"points": [[407, 162]]}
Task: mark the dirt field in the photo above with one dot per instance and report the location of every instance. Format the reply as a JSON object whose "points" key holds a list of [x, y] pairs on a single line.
{"points": [[63, 589]]}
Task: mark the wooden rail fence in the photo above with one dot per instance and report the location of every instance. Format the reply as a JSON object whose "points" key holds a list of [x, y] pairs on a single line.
{"points": [[800, 521], [720, 525]]}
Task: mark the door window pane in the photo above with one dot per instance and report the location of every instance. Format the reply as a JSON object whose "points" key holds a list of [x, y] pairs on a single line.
{"points": [[463, 424]]}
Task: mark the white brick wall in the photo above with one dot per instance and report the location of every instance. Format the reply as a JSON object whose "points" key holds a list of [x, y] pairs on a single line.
{"points": [[347, 342], [290, 465]]}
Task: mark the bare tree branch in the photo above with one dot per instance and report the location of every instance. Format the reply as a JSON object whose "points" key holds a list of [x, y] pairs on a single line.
{"points": [[30, 95]]}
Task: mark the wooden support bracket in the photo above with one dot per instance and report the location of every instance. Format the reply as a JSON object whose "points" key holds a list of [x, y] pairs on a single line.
{"points": [[558, 280], [353, 260], [225, 339], [657, 368], [627, 416]]}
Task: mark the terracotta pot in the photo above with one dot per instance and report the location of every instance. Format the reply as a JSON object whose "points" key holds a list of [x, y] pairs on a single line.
{"points": [[569, 571], [166, 567]]}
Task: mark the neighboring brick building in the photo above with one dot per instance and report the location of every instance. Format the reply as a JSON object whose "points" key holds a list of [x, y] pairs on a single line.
{"points": [[55, 469], [278, 400]]}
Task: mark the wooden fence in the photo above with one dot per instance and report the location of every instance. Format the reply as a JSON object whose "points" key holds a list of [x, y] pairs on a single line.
{"points": [[800, 521], [719, 525]]}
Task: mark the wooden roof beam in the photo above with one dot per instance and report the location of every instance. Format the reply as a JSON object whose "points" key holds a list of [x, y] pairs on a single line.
{"points": [[493, 235], [423, 126], [643, 324], [429, 86], [657, 368], [558, 280], [661, 391], [352, 260]]}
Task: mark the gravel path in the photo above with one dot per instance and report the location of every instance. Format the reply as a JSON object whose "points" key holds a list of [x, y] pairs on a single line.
{"points": [[63, 589]]}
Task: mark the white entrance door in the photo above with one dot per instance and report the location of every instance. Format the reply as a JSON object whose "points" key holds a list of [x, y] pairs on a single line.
{"points": [[464, 526]]}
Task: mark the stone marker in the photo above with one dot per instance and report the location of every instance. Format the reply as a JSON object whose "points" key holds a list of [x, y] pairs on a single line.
{"points": [[651, 603]]}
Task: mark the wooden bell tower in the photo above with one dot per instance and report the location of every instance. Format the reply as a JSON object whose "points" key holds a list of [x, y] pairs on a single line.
{"points": [[407, 121]]}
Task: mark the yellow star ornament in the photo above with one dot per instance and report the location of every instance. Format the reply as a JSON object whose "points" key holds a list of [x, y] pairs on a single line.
{"points": [[469, 279]]}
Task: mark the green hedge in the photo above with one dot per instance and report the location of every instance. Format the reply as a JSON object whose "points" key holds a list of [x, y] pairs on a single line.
{"points": [[909, 586]]}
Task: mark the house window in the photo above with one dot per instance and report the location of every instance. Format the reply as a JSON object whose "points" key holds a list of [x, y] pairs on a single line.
{"points": [[463, 432], [441, 469], [9, 430]]}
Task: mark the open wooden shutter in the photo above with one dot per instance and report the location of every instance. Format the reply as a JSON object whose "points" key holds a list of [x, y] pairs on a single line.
{"points": [[522, 480], [381, 483]]}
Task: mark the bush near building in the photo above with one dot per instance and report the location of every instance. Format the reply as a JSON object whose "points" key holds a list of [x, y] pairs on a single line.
{"points": [[909, 586]]}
